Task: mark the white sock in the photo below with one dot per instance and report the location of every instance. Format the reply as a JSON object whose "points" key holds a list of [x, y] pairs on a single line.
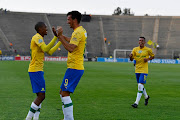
{"points": [[139, 94], [32, 110], [68, 108], [36, 115], [62, 103], [145, 94], [138, 98]]}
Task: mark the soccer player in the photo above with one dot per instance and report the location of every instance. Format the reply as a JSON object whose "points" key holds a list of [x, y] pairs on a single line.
{"points": [[36, 74], [141, 55], [75, 62]]}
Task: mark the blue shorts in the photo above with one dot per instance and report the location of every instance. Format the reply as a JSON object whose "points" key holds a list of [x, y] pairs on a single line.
{"points": [[71, 79], [141, 77], [37, 82]]}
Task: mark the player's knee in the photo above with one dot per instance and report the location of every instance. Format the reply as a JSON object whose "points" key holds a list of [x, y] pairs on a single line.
{"points": [[140, 87], [41, 96], [65, 93]]}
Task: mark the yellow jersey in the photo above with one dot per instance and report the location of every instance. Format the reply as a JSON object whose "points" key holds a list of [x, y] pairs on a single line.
{"points": [[139, 55], [0, 52], [76, 58], [37, 55]]}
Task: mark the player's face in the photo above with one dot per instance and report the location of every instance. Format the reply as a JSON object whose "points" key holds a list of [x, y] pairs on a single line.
{"points": [[141, 42], [44, 28], [70, 21]]}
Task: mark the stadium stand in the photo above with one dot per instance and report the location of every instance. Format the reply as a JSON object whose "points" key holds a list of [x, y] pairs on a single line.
{"points": [[2, 45], [121, 32], [173, 41], [94, 40]]}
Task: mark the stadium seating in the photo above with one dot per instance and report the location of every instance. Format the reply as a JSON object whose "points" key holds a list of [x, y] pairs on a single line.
{"points": [[2, 45], [122, 32]]}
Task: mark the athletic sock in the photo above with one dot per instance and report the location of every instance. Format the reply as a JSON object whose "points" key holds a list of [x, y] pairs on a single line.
{"points": [[36, 115], [62, 103], [32, 110], [145, 94], [140, 92], [68, 108], [138, 98]]}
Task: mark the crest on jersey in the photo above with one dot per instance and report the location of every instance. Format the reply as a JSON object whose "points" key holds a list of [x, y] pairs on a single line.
{"points": [[40, 41], [139, 51]]}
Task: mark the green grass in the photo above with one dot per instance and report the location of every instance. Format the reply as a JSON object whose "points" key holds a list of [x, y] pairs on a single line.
{"points": [[105, 92]]}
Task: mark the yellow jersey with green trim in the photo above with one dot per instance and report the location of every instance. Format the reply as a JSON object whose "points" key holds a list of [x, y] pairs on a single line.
{"points": [[139, 55], [37, 55], [76, 58]]}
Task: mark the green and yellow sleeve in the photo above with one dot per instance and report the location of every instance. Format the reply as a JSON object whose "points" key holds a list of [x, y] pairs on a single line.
{"points": [[46, 48], [52, 50]]}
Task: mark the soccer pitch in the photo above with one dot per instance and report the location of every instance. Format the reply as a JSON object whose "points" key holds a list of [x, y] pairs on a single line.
{"points": [[105, 92]]}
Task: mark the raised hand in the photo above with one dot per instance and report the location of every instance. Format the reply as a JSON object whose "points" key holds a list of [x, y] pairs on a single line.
{"points": [[54, 31], [60, 31]]}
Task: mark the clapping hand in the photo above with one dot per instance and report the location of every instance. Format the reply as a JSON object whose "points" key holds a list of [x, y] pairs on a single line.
{"points": [[54, 31], [146, 59], [60, 31]]}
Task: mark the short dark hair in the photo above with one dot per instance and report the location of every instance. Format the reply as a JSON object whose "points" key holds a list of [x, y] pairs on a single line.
{"points": [[143, 38], [75, 15], [39, 25]]}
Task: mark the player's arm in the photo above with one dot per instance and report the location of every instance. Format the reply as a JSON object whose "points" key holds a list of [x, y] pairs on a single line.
{"points": [[66, 38], [69, 47], [45, 47], [52, 50], [151, 54], [147, 59], [131, 57]]}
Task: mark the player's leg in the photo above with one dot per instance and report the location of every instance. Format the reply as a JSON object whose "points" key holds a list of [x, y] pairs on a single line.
{"points": [[145, 93], [38, 86], [37, 113], [144, 90], [38, 101], [146, 97], [68, 105], [70, 81], [139, 93], [140, 81], [32, 111], [62, 102]]}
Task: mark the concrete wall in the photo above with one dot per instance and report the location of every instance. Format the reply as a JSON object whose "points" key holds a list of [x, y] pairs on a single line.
{"points": [[121, 31]]}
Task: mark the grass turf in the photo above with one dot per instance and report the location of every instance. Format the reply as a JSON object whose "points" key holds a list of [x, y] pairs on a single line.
{"points": [[105, 92]]}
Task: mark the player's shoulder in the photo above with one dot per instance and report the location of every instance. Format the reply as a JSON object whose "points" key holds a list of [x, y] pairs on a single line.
{"points": [[81, 29], [147, 48], [37, 36], [80, 32]]}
